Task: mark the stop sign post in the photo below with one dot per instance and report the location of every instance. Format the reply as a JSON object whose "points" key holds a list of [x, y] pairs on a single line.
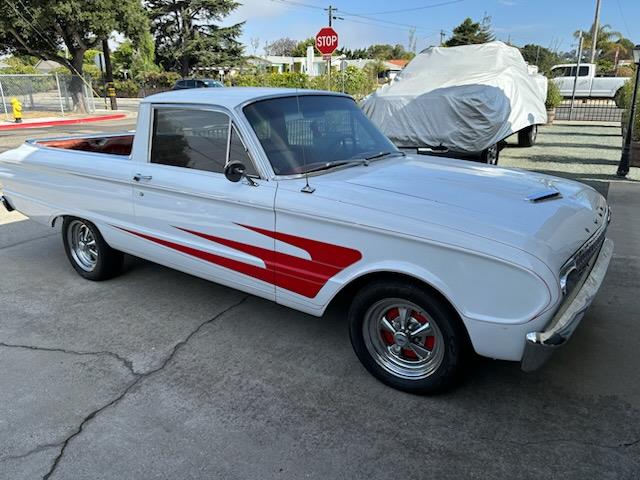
{"points": [[326, 43]]}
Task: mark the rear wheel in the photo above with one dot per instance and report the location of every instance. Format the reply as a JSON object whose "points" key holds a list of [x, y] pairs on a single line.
{"points": [[87, 251], [407, 337], [527, 136], [491, 155]]}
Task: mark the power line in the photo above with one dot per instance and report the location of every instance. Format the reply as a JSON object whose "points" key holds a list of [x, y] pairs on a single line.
{"points": [[371, 20], [425, 7], [624, 19]]}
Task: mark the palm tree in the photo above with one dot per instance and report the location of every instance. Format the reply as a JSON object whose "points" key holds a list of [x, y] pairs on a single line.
{"points": [[606, 40]]}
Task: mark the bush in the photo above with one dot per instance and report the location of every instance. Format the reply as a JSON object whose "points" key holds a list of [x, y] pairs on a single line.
{"points": [[554, 97], [159, 80], [623, 100], [354, 81], [127, 88]]}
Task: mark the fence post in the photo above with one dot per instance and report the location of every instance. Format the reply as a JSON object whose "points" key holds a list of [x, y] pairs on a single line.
{"points": [[59, 94], [66, 94], [4, 104]]}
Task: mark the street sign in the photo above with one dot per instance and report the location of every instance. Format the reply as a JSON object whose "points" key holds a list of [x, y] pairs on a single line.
{"points": [[327, 40]]}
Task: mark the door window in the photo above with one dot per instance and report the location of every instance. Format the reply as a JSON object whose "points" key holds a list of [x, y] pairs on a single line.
{"points": [[196, 139], [190, 139]]}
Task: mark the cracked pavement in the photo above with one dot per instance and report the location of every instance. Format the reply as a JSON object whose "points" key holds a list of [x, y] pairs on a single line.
{"points": [[156, 374]]}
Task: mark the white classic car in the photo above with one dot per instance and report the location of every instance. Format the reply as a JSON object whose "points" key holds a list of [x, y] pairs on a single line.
{"points": [[296, 197]]}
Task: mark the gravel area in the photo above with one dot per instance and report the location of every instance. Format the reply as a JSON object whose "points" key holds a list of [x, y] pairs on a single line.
{"points": [[582, 151]]}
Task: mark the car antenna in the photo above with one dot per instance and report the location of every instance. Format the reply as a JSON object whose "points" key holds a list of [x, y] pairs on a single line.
{"points": [[307, 188]]}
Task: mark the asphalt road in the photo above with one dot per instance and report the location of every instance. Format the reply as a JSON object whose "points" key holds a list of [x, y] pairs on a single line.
{"points": [[157, 374]]}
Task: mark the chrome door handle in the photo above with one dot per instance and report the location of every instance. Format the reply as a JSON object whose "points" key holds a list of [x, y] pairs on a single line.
{"points": [[137, 177]]}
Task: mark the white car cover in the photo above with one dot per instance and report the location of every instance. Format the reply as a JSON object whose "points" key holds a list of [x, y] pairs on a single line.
{"points": [[464, 98]]}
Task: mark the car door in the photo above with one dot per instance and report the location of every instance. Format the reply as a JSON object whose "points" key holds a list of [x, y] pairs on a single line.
{"points": [[190, 217]]}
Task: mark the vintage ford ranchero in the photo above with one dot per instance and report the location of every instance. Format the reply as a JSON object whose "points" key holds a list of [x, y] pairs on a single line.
{"points": [[296, 197]]}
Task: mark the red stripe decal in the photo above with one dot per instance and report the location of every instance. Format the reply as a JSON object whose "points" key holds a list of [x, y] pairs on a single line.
{"points": [[299, 275]]}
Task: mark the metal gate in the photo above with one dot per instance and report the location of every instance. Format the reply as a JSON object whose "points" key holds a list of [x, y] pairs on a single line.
{"points": [[590, 109]]}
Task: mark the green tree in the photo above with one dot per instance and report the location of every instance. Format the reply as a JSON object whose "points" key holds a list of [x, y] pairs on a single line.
{"points": [[135, 61], [19, 64], [41, 28], [187, 36], [540, 56], [470, 32], [606, 38], [300, 49]]}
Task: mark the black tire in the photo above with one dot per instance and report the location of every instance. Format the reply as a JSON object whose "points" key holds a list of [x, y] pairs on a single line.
{"points": [[451, 356], [527, 136], [93, 259], [491, 155], [618, 98]]}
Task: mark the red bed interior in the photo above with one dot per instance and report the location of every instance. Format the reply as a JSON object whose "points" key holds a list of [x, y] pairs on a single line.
{"points": [[116, 145]]}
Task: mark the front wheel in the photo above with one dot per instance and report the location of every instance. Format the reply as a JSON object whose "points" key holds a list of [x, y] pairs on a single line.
{"points": [[407, 337], [87, 251], [490, 155]]}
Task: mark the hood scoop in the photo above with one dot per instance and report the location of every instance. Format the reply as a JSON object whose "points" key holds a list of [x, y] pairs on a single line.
{"points": [[546, 194]]}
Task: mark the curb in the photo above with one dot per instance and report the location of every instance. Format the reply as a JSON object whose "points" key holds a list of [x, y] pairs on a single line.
{"points": [[70, 121]]}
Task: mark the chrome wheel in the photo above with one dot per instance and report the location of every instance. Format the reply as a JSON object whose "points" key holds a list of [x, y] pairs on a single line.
{"points": [[82, 245], [403, 339]]}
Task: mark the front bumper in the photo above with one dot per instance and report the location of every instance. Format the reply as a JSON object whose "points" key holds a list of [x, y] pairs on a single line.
{"points": [[541, 345]]}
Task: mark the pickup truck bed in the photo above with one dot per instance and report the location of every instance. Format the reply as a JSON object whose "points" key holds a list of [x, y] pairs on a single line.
{"points": [[119, 144]]}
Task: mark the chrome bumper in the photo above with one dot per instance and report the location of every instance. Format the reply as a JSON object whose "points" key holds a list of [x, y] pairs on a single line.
{"points": [[540, 345]]}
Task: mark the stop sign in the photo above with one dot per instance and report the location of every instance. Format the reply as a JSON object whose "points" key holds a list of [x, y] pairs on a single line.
{"points": [[327, 40]]}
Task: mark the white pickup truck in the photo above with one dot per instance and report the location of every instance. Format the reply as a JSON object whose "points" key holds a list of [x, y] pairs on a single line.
{"points": [[295, 196], [588, 85]]}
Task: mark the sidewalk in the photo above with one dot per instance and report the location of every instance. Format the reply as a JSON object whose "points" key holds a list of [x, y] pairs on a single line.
{"points": [[67, 120]]}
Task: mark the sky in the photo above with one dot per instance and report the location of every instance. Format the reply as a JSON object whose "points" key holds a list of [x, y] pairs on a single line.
{"points": [[549, 23]]}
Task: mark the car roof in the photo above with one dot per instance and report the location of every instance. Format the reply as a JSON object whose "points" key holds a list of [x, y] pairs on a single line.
{"points": [[230, 97]]}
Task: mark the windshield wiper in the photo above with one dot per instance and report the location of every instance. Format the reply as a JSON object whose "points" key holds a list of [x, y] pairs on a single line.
{"points": [[384, 154], [339, 163]]}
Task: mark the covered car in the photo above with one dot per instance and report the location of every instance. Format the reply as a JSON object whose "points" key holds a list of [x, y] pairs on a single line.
{"points": [[461, 101]]}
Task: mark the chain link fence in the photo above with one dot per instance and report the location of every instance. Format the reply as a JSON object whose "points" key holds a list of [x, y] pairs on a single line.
{"points": [[42, 94]]}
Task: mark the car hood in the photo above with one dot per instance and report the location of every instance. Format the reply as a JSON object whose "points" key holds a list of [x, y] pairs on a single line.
{"points": [[483, 200]]}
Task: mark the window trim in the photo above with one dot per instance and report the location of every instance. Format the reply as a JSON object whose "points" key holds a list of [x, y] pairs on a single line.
{"points": [[208, 108]]}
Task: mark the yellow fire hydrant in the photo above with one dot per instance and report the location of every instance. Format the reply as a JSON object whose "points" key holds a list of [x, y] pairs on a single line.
{"points": [[16, 106]]}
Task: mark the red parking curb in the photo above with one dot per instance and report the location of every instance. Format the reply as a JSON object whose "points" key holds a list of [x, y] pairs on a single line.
{"points": [[70, 121]]}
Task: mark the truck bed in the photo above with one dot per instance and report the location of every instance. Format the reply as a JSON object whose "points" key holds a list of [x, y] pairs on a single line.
{"points": [[112, 144]]}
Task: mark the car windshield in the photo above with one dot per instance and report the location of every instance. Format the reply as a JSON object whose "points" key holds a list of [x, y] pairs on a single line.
{"points": [[306, 132]]}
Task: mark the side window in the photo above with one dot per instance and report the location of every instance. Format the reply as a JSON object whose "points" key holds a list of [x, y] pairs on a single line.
{"points": [[237, 152], [584, 71], [190, 138]]}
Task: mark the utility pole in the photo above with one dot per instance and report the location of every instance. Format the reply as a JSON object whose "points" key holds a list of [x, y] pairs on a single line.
{"points": [[442, 35], [594, 32], [575, 80], [330, 10], [111, 91]]}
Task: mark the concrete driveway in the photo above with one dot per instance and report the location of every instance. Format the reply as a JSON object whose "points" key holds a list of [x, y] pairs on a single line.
{"points": [[156, 374]]}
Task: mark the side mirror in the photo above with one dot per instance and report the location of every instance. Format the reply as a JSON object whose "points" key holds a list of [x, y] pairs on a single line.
{"points": [[234, 171]]}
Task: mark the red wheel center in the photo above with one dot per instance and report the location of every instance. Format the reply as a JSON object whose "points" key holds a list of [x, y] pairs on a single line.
{"points": [[392, 314]]}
